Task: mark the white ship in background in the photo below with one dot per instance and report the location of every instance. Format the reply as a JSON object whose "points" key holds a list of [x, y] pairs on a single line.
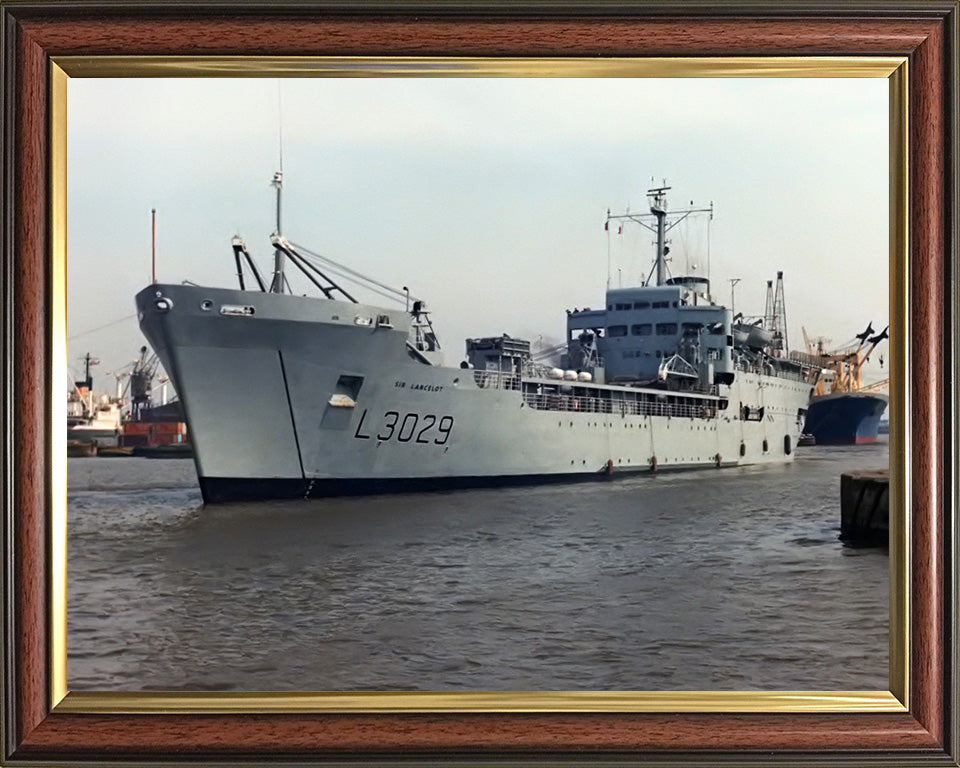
{"points": [[92, 418], [295, 396]]}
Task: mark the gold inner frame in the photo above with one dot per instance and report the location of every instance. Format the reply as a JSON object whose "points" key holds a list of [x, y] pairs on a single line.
{"points": [[135, 702]]}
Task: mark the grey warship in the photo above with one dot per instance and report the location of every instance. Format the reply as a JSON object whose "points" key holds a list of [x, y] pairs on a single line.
{"points": [[289, 396]]}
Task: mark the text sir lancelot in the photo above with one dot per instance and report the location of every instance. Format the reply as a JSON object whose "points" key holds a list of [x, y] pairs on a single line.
{"points": [[418, 386]]}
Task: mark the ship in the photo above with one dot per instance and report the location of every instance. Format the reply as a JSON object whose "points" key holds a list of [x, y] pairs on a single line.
{"points": [[92, 419], [295, 396], [844, 411]]}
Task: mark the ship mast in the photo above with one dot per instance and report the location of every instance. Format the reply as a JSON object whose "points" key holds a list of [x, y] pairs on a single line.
{"points": [[279, 255], [780, 315], [658, 207], [276, 286], [88, 361], [658, 211]]}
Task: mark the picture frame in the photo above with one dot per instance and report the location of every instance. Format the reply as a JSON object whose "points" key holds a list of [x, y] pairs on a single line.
{"points": [[915, 721]]}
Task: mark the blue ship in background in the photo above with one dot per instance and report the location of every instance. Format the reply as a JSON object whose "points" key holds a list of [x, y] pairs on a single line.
{"points": [[842, 411], [845, 418]]}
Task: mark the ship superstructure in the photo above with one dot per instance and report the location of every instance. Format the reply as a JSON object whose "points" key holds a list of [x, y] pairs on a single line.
{"points": [[295, 396]]}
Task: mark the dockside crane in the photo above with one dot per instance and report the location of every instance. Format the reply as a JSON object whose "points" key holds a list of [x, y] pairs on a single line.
{"points": [[845, 362]]}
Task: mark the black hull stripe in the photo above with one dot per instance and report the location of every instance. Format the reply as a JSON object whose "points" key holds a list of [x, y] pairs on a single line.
{"points": [[223, 489]]}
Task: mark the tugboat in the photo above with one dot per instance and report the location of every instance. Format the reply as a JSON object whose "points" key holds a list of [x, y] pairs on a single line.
{"points": [[298, 396], [843, 411]]}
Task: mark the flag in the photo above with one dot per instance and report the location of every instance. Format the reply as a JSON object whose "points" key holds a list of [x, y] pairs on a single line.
{"points": [[606, 227]]}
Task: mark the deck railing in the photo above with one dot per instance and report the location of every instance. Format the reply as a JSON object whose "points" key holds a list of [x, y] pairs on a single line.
{"points": [[805, 374], [577, 403], [496, 380], [617, 404]]}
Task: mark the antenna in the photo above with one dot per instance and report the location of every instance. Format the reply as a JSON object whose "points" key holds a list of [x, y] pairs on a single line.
{"points": [[278, 176], [606, 227], [733, 285], [153, 243], [657, 200], [280, 119], [709, 220], [276, 285]]}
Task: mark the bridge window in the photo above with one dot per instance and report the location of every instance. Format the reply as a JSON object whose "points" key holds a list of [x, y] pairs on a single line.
{"points": [[617, 330], [641, 305], [643, 329], [666, 329], [691, 329], [660, 304]]}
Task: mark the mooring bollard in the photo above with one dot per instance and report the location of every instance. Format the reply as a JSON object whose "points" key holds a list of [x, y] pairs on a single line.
{"points": [[865, 508]]}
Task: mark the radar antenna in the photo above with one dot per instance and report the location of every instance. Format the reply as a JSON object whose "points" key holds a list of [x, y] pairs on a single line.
{"points": [[657, 197]]}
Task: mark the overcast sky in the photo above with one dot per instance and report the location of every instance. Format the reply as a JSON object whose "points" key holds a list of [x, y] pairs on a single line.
{"points": [[487, 197]]}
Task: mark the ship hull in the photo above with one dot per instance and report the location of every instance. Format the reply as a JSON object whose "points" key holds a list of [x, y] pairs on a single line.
{"points": [[263, 397], [105, 436], [219, 489], [847, 418]]}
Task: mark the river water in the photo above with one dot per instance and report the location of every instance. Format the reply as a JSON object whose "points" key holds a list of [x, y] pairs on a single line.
{"points": [[710, 579]]}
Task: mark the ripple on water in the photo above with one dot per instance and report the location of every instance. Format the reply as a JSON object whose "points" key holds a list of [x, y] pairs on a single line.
{"points": [[718, 579]]}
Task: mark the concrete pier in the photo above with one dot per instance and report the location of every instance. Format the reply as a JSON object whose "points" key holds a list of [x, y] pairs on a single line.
{"points": [[865, 508]]}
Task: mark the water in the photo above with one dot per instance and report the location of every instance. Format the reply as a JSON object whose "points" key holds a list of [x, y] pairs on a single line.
{"points": [[713, 579]]}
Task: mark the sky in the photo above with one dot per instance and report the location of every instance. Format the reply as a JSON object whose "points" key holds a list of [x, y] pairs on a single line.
{"points": [[487, 197]]}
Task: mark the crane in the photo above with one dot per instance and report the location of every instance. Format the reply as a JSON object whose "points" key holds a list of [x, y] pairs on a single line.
{"points": [[846, 361], [141, 380]]}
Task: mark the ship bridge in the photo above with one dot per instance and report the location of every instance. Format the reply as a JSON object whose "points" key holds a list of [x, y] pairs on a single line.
{"points": [[642, 327], [666, 327]]}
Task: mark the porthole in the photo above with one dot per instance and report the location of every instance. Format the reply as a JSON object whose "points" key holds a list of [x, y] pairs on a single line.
{"points": [[206, 305]]}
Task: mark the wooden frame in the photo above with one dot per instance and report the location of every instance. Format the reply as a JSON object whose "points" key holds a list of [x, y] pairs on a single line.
{"points": [[925, 33]]}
